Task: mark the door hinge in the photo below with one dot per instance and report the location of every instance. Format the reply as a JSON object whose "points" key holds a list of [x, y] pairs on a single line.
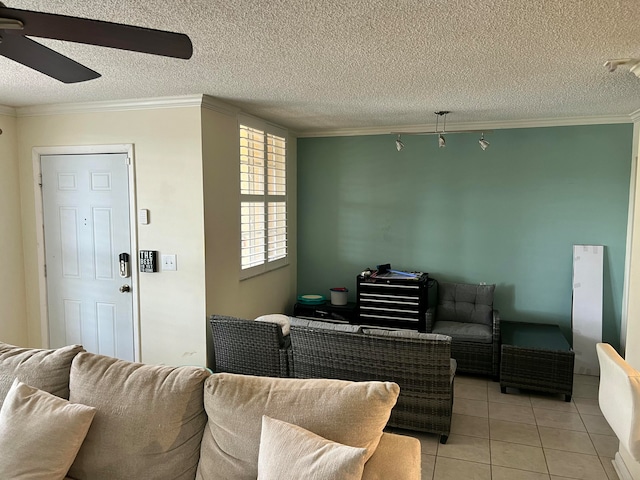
{"points": [[45, 271], [40, 180], [127, 161]]}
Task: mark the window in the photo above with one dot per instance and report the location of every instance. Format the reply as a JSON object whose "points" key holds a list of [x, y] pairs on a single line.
{"points": [[263, 199]]}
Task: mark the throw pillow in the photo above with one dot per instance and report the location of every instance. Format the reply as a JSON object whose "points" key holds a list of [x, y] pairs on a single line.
{"points": [[289, 452], [40, 434], [46, 370], [280, 319], [149, 419], [351, 413]]}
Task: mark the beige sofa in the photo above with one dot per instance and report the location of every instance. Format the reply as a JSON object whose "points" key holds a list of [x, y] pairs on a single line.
{"points": [[128, 420]]}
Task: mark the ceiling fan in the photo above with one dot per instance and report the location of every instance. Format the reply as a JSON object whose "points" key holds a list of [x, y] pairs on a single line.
{"points": [[17, 25]]}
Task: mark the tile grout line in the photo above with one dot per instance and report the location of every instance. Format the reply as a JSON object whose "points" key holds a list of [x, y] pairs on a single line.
{"points": [[544, 454]]}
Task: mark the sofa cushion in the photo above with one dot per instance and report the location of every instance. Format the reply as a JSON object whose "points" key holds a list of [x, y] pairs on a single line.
{"points": [[468, 332], [461, 302], [47, 370], [397, 456], [351, 413], [289, 452], [337, 327], [40, 434], [277, 318], [149, 419]]}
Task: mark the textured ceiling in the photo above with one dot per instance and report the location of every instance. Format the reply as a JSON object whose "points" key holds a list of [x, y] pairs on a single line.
{"points": [[330, 64]]}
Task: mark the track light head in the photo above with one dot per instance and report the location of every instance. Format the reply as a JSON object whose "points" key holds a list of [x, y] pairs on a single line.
{"points": [[483, 143], [399, 144], [441, 141]]}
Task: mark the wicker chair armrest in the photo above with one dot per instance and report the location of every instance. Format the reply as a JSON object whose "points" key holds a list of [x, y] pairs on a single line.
{"points": [[290, 371], [248, 347], [496, 324], [284, 362], [496, 344]]}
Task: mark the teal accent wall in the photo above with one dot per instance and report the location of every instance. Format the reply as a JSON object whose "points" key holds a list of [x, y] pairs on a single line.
{"points": [[508, 215]]}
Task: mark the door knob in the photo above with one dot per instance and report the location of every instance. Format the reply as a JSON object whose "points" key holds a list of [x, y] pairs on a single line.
{"points": [[125, 288]]}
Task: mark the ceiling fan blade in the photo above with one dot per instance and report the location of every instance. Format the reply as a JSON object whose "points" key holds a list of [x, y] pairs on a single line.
{"points": [[34, 55], [96, 32]]}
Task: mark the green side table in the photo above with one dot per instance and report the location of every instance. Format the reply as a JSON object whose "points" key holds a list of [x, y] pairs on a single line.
{"points": [[536, 356]]}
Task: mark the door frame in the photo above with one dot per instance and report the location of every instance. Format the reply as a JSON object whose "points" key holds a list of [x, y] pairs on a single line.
{"points": [[36, 156]]}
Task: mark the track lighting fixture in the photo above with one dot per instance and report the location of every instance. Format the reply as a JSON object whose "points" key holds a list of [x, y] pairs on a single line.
{"points": [[484, 144], [441, 141]]}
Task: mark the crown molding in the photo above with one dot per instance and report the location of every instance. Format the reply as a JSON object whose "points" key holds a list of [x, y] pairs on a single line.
{"points": [[183, 101], [212, 103], [8, 111], [491, 125], [635, 116]]}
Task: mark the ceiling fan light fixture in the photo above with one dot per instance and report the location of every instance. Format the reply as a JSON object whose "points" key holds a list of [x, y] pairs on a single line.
{"points": [[399, 144], [441, 141]]}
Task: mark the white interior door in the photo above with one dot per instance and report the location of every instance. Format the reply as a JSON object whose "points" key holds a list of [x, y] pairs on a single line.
{"points": [[86, 228]]}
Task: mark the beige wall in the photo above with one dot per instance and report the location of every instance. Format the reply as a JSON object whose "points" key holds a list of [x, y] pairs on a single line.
{"points": [[13, 314], [168, 168], [272, 292], [632, 340]]}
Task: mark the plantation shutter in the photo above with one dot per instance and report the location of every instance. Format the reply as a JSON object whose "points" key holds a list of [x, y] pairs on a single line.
{"points": [[263, 200]]}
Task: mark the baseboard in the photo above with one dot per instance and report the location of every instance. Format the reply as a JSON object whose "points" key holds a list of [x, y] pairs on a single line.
{"points": [[621, 468]]}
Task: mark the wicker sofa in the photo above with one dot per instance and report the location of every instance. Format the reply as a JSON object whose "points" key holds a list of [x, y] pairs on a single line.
{"points": [[181, 423], [465, 313], [419, 363]]}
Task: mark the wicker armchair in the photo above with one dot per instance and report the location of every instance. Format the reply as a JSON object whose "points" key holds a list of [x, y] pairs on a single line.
{"points": [[465, 312], [249, 347], [419, 363]]}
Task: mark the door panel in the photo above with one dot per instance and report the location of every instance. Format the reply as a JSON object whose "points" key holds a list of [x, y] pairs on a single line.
{"points": [[86, 223]]}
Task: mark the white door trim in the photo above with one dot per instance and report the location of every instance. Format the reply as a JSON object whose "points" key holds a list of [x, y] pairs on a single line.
{"points": [[36, 154]]}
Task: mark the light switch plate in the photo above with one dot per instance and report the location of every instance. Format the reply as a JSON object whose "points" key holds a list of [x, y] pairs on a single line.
{"points": [[169, 263]]}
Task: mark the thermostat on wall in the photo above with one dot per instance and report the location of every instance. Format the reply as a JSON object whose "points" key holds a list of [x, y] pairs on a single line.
{"points": [[143, 216]]}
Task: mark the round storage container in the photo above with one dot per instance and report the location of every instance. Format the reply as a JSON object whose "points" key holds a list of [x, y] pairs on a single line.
{"points": [[339, 296]]}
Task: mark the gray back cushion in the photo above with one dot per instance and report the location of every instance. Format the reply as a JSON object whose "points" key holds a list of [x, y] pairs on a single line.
{"points": [[462, 302], [404, 334], [337, 327]]}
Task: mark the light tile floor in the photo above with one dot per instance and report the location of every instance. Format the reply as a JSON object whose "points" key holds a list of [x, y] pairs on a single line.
{"points": [[521, 435]]}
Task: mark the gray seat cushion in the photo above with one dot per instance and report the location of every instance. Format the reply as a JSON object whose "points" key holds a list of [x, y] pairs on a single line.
{"points": [[469, 332]]}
